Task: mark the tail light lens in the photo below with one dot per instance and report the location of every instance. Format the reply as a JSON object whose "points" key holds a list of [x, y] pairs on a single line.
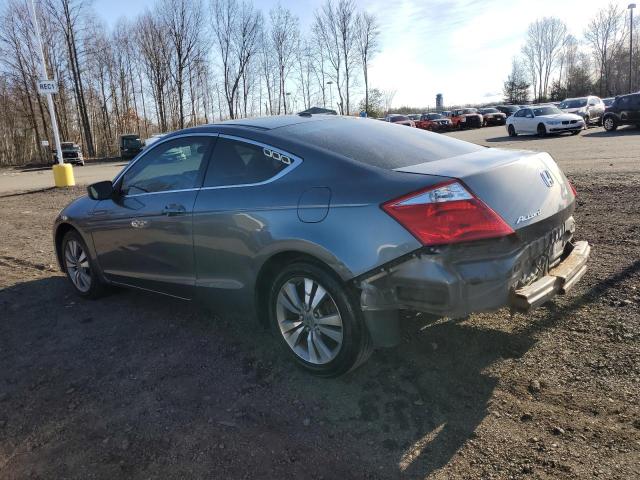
{"points": [[573, 189], [446, 213]]}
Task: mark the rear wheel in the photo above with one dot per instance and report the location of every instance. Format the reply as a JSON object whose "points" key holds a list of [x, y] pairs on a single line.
{"points": [[512, 131], [542, 131], [317, 321], [79, 268], [610, 124]]}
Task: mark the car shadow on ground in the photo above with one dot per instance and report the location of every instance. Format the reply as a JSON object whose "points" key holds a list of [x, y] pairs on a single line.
{"points": [[620, 132], [525, 138], [125, 385]]}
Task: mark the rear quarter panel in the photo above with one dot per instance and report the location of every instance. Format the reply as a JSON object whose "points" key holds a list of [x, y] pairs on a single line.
{"points": [[236, 230]]}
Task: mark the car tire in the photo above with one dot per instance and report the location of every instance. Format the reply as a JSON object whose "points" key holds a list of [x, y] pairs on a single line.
{"points": [[542, 130], [610, 123], [575, 132], [338, 343], [80, 269], [512, 131]]}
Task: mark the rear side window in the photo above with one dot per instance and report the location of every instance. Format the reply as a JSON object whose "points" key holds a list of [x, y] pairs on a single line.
{"points": [[240, 163]]}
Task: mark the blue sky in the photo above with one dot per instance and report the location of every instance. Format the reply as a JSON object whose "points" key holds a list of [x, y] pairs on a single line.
{"points": [[461, 48]]}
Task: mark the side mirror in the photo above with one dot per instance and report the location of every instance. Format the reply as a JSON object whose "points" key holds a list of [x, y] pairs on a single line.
{"points": [[100, 190]]}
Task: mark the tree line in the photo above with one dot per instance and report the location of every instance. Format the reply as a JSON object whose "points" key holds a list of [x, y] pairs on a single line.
{"points": [[554, 64], [179, 64]]}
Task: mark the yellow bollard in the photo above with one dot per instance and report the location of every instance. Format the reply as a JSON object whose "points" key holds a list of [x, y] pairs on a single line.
{"points": [[63, 175]]}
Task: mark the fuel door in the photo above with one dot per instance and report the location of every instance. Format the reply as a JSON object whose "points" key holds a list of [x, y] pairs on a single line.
{"points": [[313, 205]]}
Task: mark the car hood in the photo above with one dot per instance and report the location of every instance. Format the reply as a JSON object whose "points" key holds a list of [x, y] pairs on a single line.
{"points": [[560, 116], [572, 110]]}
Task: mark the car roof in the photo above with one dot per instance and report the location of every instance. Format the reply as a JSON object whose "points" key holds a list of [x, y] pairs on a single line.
{"points": [[275, 121]]}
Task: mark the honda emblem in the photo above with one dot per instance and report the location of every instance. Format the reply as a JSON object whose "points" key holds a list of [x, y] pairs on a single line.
{"points": [[547, 179]]}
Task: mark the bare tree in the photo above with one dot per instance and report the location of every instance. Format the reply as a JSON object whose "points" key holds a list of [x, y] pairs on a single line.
{"points": [[387, 99], [545, 38], [183, 20], [367, 32], [605, 34], [327, 36], [236, 29], [284, 40], [68, 15]]}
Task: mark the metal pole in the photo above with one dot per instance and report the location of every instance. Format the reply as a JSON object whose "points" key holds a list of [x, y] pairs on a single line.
{"points": [[631, 7], [54, 123]]}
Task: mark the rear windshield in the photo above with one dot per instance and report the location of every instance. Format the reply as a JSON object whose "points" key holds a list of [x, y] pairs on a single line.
{"points": [[378, 143], [398, 118]]}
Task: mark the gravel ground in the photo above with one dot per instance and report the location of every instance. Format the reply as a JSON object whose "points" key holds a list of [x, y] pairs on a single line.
{"points": [[140, 386]]}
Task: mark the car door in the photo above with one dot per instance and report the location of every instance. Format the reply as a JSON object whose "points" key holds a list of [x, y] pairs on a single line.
{"points": [[235, 213], [143, 236], [529, 121], [519, 122]]}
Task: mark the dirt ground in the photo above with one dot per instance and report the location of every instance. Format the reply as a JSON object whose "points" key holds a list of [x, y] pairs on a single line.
{"points": [[140, 386]]}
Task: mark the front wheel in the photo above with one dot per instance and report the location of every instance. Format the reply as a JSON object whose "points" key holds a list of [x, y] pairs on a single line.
{"points": [[317, 320], [512, 131], [79, 267], [610, 124], [542, 131]]}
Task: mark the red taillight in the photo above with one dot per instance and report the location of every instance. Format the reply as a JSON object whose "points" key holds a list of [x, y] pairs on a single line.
{"points": [[573, 189], [446, 213]]}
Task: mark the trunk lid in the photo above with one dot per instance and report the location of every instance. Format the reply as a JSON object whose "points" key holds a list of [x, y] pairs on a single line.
{"points": [[523, 187]]}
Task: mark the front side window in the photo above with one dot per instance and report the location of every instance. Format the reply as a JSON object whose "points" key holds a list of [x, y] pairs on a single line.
{"points": [[240, 163], [172, 165]]}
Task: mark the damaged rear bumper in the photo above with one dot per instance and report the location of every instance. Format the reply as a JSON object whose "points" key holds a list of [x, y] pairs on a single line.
{"points": [[559, 280]]}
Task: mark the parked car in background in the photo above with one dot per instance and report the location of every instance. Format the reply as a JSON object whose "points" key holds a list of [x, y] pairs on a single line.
{"points": [[492, 116], [542, 120], [130, 145], [414, 116], [508, 110], [608, 101], [625, 110], [466, 118], [227, 214], [589, 108], [71, 153], [399, 119], [445, 113], [435, 122]]}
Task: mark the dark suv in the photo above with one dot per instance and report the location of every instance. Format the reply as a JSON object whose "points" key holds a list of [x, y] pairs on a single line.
{"points": [[625, 110]]}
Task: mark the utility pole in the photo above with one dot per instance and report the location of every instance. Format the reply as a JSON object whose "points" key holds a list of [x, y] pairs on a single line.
{"points": [[62, 173], [631, 7], [330, 83]]}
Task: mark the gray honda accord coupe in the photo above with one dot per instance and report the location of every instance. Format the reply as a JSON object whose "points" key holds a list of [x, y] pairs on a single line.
{"points": [[325, 227]]}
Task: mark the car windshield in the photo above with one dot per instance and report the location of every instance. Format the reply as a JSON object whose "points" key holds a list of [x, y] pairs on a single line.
{"points": [[398, 118], [546, 110], [489, 110], [574, 103], [608, 101], [470, 110], [68, 146]]}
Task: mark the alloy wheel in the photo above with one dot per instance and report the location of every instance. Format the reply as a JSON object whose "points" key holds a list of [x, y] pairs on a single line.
{"points": [[608, 123], [77, 264], [309, 320]]}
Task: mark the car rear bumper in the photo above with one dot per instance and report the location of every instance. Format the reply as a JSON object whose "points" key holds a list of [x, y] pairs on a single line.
{"points": [[455, 281], [559, 280]]}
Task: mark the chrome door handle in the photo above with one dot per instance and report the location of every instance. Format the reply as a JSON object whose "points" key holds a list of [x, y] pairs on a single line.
{"points": [[137, 223], [174, 209]]}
